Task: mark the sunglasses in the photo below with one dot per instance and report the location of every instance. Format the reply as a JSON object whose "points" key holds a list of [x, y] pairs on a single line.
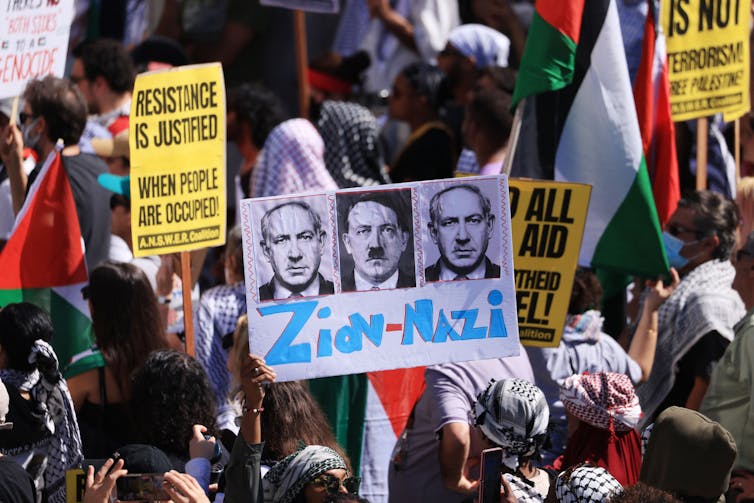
{"points": [[676, 230], [23, 117], [332, 484]]}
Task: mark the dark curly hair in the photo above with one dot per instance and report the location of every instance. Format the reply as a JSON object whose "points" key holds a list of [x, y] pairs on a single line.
{"points": [[257, 107], [642, 493], [586, 293], [62, 105], [20, 325], [171, 393], [109, 59], [716, 215]]}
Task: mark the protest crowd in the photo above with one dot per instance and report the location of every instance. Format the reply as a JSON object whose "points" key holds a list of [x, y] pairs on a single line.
{"points": [[646, 396]]}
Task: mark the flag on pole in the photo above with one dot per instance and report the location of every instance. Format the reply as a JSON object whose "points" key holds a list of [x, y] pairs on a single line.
{"points": [[43, 260], [368, 413], [587, 130], [652, 96]]}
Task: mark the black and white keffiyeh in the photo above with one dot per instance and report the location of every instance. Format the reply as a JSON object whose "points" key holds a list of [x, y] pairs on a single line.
{"points": [[703, 302], [352, 147], [523, 490], [513, 413], [586, 484], [49, 394], [289, 476]]}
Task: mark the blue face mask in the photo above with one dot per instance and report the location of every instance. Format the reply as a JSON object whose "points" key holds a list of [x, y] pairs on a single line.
{"points": [[673, 247]]}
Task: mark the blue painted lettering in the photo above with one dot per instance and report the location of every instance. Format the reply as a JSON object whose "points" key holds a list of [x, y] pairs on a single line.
{"points": [[283, 351]]}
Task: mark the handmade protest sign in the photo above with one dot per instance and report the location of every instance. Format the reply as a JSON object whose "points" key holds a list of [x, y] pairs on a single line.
{"points": [[33, 42], [708, 57], [177, 147], [374, 279], [548, 223]]}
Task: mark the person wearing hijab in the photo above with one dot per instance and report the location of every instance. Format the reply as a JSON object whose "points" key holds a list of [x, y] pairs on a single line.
{"points": [[430, 151], [513, 414], [41, 408], [607, 411], [586, 483], [292, 161]]}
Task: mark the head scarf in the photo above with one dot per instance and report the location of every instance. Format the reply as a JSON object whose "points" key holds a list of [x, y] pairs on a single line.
{"points": [[52, 400], [289, 476], [488, 47], [605, 400], [513, 414], [352, 147], [586, 484], [523, 489], [292, 161]]}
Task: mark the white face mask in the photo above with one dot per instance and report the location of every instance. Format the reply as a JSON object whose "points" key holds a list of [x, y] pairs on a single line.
{"points": [[30, 141]]}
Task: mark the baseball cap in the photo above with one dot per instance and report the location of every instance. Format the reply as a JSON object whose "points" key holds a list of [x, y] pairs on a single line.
{"points": [[114, 183], [143, 458]]}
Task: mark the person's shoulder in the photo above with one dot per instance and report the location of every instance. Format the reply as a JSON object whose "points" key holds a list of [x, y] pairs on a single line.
{"points": [[325, 287], [406, 279], [267, 291], [492, 270], [348, 281]]}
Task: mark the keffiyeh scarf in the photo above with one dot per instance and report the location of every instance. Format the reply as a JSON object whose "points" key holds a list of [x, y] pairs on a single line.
{"points": [[49, 394], [352, 149], [606, 400], [586, 484], [289, 476], [292, 161], [703, 302], [513, 414]]}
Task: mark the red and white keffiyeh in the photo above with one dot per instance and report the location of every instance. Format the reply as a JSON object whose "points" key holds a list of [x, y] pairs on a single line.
{"points": [[605, 400]]}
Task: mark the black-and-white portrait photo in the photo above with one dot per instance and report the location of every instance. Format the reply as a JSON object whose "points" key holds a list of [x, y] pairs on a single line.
{"points": [[295, 254], [376, 242], [460, 241]]}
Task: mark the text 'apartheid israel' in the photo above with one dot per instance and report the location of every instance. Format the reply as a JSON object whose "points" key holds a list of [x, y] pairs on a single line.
{"points": [[177, 146]]}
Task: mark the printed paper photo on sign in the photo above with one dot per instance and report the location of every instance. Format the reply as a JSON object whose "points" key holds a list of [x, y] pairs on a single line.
{"points": [[459, 238], [381, 315], [377, 246], [292, 236]]}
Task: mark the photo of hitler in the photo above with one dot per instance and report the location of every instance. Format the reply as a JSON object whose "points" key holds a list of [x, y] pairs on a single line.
{"points": [[293, 241], [461, 225], [376, 251]]}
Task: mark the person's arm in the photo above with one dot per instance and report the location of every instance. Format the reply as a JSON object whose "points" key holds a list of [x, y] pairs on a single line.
{"points": [[243, 481], [697, 392], [100, 486], [644, 342], [82, 386], [704, 356], [455, 444], [11, 153], [393, 21]]}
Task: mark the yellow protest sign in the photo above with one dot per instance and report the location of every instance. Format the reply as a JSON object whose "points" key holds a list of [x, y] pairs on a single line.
{"points": [[547, 221], [708, 57], [75, 483], [177, 146]]}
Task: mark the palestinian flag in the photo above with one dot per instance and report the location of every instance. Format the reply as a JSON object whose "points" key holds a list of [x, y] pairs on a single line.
{"points": [[368, 413], [652, 96], [43, 260], [584, 129]]}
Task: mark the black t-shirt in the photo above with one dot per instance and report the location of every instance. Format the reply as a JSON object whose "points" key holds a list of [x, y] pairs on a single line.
{"points": [[697, 362], [92, 203], [431, 156], [16, 486]]}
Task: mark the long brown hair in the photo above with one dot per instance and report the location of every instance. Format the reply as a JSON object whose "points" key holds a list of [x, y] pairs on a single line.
{"points": [[126, 319], [291, 415]]}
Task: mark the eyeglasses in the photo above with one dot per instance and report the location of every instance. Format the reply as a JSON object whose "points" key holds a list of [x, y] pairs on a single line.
{"points": [[23, 117], [743, 253], [676, 230], [332, 484]]}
